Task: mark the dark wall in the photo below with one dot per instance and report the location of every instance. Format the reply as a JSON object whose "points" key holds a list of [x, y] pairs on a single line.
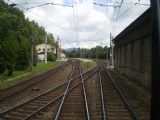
{"points": [[133, 50]]}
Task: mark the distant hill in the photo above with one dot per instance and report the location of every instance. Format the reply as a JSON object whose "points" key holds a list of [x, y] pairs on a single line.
{"points": [[70, 49]]}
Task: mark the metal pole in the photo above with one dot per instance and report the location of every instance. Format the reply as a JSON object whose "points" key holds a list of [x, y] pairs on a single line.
{"points": [[155, 102], [110, 49], [112, 53], [46, 49], [58, 51], [31, 59]]}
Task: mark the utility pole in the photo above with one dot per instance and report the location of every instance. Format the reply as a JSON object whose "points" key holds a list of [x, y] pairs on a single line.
{"points": [[111, 51], [58, 49], [155, 102], [31, 59], [46, 48], [107, 53]]}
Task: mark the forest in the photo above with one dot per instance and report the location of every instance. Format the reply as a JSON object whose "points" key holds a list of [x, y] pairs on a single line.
{"points": [[17, 35], [97, 52]]}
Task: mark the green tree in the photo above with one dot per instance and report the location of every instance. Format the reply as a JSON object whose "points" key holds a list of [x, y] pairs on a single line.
{"points": [[51, 57]]}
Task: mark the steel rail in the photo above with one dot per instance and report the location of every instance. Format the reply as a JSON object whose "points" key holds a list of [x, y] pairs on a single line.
{"points": [[64, 97], [42, 108], [4, 112], [29, 100], [102, 97], [85, 96], [69, 90], [48, 73], [122, 96]]}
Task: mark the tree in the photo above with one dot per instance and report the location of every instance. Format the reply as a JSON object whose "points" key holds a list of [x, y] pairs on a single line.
{"points": [[15, 38], [51, 57], [96, 52]]}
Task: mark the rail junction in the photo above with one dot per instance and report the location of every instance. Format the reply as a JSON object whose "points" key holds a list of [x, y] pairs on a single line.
{"points": [[72, 101]]}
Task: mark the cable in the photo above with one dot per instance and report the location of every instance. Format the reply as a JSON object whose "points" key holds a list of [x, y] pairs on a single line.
{"points": [[62, 5], [125, 12], [38, 6], [138, 3], [45, 18], [120, 7], [114, 20], [113, 12], [105, 5], [75, 25]]}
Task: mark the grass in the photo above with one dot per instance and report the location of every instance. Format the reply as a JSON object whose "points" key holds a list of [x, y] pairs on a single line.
{"points": [[19, 76], [88, 64]]}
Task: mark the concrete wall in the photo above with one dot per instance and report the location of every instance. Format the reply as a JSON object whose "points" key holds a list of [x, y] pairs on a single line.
{"points": [[133, 51]]}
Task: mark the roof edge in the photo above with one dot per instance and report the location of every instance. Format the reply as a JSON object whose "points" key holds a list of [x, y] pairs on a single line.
{"points": [[134, 24]]}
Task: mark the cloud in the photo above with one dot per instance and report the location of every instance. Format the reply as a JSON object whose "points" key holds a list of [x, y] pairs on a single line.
{"points": [[92, 24]]}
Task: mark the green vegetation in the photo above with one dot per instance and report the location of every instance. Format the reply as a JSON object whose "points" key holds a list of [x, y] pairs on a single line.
{"points": [[88, 64], [98, 52], [17, 36], [51, 57], [19, 76], [2, 68]]}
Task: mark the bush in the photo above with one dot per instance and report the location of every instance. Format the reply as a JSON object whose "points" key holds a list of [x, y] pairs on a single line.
{"points": [[2, 67], [51, 57], [9, 68]]}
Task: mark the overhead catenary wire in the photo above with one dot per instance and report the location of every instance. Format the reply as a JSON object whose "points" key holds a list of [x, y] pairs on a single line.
{"points": [[120, 7], [105, 27], [113, 12], [66, 30], [105, 5], [62, 5], [75, 26], [138, 3], [38, 6], [44, 18], [76, 18]]}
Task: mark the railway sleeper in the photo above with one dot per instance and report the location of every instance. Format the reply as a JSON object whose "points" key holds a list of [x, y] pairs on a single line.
{"points": [[8, 117], [24, 110], [72, 113]]}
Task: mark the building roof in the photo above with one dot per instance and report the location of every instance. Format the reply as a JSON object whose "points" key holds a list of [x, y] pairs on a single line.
{"points": [[43, 44], [134, 24]]}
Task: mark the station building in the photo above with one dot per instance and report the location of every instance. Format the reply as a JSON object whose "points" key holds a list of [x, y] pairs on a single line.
{"points": [[41, 50]]}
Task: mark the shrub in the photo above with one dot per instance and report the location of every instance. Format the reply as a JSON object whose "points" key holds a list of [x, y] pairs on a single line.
{"points": [[51, 57], [9, 68], [2, 67]]}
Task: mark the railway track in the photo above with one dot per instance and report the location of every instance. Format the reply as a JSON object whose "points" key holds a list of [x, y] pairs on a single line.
{"points": [[11, 91], [74, 104], [94, 98], [71, 101], [115, 105], [41, 104]]}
